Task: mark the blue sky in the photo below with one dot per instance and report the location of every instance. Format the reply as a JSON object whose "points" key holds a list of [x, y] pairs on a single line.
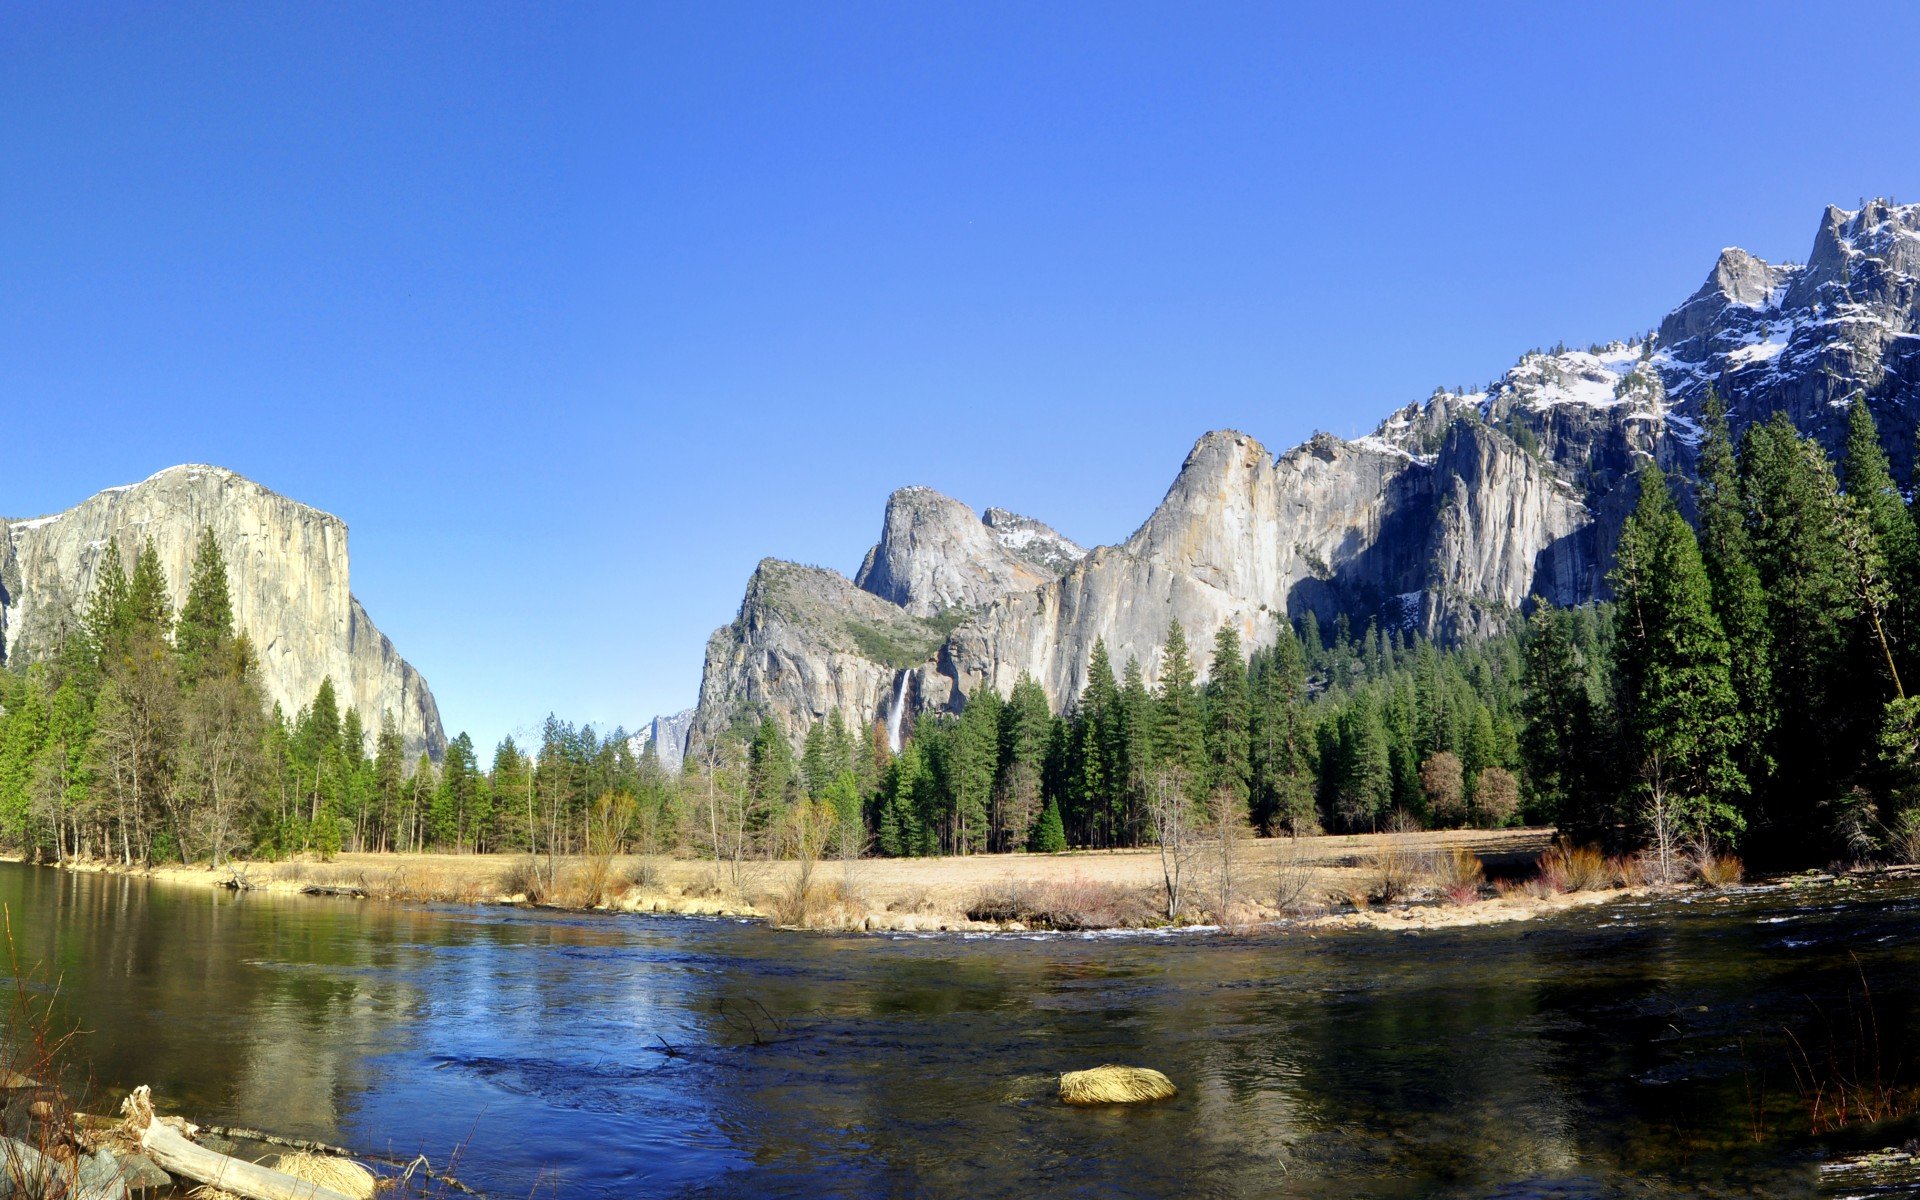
{"points": [[574, 312]]}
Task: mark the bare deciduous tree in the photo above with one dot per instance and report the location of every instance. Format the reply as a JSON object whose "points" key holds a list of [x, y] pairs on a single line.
{"points": [[1171, 818]]}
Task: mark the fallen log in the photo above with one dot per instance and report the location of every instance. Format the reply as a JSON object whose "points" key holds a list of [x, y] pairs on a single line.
{"points": [[346, 891], [172, 1150]]}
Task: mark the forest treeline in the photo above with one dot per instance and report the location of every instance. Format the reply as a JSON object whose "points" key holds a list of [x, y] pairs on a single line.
{"points": [[1744, 690]]}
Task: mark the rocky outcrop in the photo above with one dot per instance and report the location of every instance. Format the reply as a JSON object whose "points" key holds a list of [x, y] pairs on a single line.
{"points": [[287, 572], [1447, 519], [806, 642], [667, 737], [935, 556], [1805, 339]]}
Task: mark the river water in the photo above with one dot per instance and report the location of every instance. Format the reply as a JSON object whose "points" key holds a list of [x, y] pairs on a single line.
{"points": [[1632, 1049]]}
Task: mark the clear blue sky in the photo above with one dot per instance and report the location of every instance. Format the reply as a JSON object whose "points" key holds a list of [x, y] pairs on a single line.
{"points": [[574, 312]]}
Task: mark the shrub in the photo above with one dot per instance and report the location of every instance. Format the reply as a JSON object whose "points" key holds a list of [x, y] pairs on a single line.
{"points": [[1392, 873], [524, 878], [915, 899], [1293, 880], [1067, 905], [1903, 840], [1572, 868], [645, 874], [1717, 870], [1458, 876]]}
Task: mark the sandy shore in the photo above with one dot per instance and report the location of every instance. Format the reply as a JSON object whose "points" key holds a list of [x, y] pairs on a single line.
{"points": [[1320, 882]]}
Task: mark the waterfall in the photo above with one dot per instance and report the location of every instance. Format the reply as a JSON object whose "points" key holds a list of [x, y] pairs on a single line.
{"points": [[896, 712]]}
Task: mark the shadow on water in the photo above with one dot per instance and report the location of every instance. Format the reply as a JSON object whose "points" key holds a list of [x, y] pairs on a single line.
{"points": [[1634, 1049]]}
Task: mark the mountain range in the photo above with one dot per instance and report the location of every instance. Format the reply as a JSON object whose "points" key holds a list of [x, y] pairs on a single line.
{"points": [[1453, 514]]}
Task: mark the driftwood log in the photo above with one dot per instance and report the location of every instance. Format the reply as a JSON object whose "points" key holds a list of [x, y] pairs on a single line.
{"points": [[174, 1152]]}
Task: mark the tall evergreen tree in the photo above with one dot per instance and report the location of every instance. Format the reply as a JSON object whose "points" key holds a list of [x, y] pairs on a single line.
{"points": [[1283, 791], [108, 621], [1026, 722], [1562, 744], [973, 766], [1361, 778], [1179, 735], [1228, 720], [149, 603], [1681, 715], [1135, 740], [1739, 599], [1889, 557], [1792, 505], [206, 620]]}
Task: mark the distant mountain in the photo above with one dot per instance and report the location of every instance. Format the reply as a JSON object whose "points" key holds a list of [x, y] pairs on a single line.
{"points": [[668, 738], [1446, 519], [287, 571]]}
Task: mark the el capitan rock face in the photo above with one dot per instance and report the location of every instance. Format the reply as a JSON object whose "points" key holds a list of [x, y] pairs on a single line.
{"points": [[1447, 519], [287, 573]]}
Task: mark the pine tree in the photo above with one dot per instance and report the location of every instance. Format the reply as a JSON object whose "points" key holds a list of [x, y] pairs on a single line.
{"points": [[1313, 640], [1561, 742], [1892, 565], [63, 780], [816, 768], [1681, 714], [1134, 738], [1792, 505], [108, 623], [23, 731], [1099, 783], [772, 781], [1026, 721], [1228, 718], [206, 620], [1283, 786], [1362, 778], [149, 604], [1179, 736], [389, 777], [972, 769], [1739, 599], [1049, 835]]}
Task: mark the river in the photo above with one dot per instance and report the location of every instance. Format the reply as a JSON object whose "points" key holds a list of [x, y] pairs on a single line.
{"points": [[1631, 1049]]}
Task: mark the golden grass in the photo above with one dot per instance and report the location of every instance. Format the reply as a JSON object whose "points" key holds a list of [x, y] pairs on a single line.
{"points": [[1115, 1085], [1719, 870], [1082, 887], [337, 1174]]}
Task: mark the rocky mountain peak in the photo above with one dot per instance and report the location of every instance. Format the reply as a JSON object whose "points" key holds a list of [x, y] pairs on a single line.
{"points": [[936, 556], [1446, 519], [1034, 541], [1872, 247]]}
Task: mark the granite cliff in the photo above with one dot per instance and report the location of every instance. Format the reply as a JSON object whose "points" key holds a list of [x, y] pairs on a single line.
{"points": [[287, 571], [1448, 518]]}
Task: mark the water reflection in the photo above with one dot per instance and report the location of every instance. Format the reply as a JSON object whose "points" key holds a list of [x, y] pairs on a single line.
{"points": [[1631, 1050]]}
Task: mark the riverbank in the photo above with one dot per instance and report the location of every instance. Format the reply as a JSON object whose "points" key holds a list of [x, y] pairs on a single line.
{"points": [[1392, 881]]}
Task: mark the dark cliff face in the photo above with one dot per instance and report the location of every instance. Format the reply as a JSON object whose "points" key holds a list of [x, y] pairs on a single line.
{"points": [[1447, 519]]}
